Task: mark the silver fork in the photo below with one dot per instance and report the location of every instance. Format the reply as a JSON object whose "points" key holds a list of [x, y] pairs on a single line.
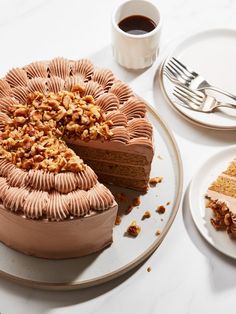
{"points": [[197, 100], [178, 72]]}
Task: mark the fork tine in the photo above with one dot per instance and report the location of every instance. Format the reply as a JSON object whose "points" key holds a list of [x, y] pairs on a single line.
{"points": [[182, 68], [174, 73], [193, 93], [173, 78], [179, 72], [188, 97], [181, 98]]}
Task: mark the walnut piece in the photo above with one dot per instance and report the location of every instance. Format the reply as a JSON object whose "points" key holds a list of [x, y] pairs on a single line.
{"points": [[133, 229]]}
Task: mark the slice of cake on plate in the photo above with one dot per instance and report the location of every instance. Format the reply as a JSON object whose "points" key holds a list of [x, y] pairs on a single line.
{"points": [[64, 125], [222, 200]]}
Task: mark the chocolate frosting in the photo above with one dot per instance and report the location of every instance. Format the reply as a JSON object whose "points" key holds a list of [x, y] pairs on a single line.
{"points": [[39, 194]]}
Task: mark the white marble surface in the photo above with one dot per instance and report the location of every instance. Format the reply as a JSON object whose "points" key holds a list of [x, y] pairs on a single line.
{"points": [[188, 276]]}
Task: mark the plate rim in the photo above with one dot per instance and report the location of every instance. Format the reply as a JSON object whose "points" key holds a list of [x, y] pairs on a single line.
{"points": [[138, 260], [192, 209], [180, 42]]}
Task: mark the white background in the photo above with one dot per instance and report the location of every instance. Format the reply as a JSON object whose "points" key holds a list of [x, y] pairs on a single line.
{"points": [[188, 276]]}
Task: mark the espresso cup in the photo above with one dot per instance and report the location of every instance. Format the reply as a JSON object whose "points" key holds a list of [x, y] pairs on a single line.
{"points": [[136, 51]]}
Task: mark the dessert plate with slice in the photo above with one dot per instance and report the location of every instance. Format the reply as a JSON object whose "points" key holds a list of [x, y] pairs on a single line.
{"points": [[216, 181], [66, 129], [211, 54]]}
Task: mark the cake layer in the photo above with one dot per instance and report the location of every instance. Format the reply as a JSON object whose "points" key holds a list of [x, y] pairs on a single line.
{"points": [[114, 168], [56, 240], [120, 170], [139, 185], [224, 184], [231, 169], [111, 156]]}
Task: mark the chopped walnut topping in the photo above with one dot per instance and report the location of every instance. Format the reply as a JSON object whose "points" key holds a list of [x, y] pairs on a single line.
{"points": [[118, 220], [133, 229], [33, 137], [222, 218], [136, 201], [154, 181], [146, 215], [161, 209]]}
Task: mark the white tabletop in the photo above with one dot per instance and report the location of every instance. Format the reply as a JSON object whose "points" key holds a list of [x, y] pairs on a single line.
{"points": [[187, 276]]}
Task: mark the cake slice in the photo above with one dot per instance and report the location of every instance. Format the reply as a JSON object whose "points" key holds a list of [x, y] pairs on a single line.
{"points": [[222, 200]]}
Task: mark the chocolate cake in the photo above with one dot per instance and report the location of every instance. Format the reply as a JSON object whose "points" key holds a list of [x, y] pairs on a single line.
{"points": [[64, 125]]}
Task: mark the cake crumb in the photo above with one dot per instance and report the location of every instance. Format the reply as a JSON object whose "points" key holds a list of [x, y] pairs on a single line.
{"points": [[149, 269], [168, 203], [118, 220], [155, 180], [162, 219], [136, 201], [133, 229], [129, 209], [146, 215], [158, 232], [159, 157], [122, 197], [161, 209]]}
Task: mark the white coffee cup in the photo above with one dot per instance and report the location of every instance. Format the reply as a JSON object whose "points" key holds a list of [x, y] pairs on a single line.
{"points": [[136, 51]]}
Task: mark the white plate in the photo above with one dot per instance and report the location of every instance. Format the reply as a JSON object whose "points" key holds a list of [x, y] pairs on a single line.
{"points": [[201, 216], [125, 253], [213, 55]]}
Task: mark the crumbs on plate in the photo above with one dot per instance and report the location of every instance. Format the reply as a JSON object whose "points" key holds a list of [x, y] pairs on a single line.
{"points": [[158, 232], [155, 180], [161, 209], [133, 229], [146, 215]]}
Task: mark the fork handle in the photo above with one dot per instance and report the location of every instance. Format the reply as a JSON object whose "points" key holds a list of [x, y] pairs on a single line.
{"points": [[227, 105], [221, 91]]}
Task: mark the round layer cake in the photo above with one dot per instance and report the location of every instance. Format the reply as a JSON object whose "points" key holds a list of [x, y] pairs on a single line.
{"points": [[63, 125]]}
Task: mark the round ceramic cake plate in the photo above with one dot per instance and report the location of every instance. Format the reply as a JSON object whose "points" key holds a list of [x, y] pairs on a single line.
{"points": [[197, 202], [125, 252], [212, 54]]}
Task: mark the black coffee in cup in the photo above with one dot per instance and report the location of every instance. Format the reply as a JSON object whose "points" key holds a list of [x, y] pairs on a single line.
{"points": [[137, 25]]}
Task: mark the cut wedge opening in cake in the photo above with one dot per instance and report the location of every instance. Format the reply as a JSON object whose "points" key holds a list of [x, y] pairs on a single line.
{"points": [[221, 197], [64, 125]]}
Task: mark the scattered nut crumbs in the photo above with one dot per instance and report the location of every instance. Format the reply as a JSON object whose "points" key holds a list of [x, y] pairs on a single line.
{"points": [[121, 197], [168, 203], [136, 201], [158, 232], [133, 229], [149, 269], [118, 220], [146, 215], [161, 209], [154, 181], [162, 219], [129, 209], [159, 157]]}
